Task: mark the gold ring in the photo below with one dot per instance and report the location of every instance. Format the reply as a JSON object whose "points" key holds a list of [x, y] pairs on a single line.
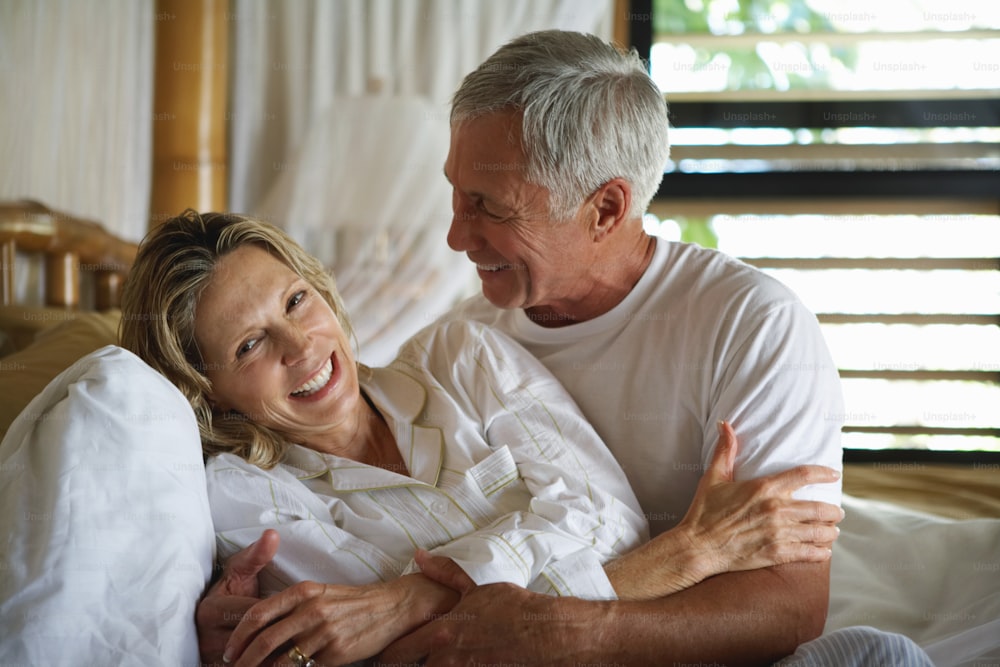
{"points": [[300, 659]]}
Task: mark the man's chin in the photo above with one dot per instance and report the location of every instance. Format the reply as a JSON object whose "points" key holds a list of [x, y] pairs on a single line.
{"points": [[502, 300]]}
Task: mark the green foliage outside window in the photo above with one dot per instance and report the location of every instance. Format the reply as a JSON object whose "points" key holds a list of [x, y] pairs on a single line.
{"points": [[748, 68]]}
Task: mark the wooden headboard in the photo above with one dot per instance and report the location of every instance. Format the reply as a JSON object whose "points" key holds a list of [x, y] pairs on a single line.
{"points": [[70, 248]]}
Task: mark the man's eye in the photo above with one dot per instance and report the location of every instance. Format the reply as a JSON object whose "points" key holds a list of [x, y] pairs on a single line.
{"points": [[488, 213]]}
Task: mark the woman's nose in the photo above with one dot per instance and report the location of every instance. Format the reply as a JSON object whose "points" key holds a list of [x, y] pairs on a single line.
{"points": [[298, 345]]}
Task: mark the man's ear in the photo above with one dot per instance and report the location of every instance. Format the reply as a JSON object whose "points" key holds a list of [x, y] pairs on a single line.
{"points": [[611, 203]]}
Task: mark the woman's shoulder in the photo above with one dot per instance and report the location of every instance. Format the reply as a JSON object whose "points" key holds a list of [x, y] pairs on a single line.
{"points": [[466, 352], [454, 338]]}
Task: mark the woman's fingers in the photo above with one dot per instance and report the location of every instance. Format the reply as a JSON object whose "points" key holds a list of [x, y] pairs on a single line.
{"points": [[278, 639], [799, 552], [721, 467], [789, 481], [245, 644], [816, 511], [769, 545], [239, 575], [333, 624]]}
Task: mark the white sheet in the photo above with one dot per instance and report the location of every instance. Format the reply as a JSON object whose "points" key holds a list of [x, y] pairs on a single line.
{"points": [[108, 541], [933, 579]]}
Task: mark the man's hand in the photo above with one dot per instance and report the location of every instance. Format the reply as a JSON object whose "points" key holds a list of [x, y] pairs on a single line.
{"points": [[228, 599], [496, 623]]}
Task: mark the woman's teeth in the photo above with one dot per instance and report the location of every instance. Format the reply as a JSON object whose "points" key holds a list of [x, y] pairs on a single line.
{"points": [[317, 383]]}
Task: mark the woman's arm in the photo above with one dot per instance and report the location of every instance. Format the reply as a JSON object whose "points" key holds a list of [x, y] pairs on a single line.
{"points": [[353, 620], [572, 508]]}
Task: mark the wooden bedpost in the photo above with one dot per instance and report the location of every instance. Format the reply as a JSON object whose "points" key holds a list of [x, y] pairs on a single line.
{"points": [[620, 24], [8, 251], [189, 107], [71, 246]]}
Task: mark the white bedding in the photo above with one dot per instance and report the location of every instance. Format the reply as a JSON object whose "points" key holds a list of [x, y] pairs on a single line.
{"points": [[933, 579], [108, 539], [105, 521]]}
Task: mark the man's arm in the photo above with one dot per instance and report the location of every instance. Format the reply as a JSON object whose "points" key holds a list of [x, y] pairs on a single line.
{"points": [[741, 618]]}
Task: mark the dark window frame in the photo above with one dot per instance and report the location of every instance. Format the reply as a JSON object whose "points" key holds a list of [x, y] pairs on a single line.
{"points": [[982, 185]]}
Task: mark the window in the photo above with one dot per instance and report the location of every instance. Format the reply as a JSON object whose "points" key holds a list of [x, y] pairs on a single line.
{"points": [[852, 149]]}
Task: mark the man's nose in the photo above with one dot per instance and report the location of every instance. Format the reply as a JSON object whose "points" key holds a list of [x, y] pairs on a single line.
{"points": [[461, 234]]}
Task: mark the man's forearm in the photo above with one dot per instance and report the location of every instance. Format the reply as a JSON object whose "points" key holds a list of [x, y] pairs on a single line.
{"points": [[742, 618]]}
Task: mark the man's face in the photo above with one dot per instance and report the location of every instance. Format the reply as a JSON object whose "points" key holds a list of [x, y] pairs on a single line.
{"points": [[501, 222]]}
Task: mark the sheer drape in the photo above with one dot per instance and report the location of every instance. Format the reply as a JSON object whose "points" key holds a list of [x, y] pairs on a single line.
{"points": [[366, 195], [291, 59], [339, 131], [76, 120]]}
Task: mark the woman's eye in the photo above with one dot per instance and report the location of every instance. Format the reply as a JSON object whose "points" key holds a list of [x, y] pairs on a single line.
{"points": [[246, 347], [296, 299]]}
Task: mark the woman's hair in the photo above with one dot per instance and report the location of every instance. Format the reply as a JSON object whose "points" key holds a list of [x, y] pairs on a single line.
{"points": [[175, 262], [590, 113]]}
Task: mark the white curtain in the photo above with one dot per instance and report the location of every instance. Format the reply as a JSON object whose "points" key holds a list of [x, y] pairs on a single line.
{"points": [[76, 119], [291, 59], [339, 131]]}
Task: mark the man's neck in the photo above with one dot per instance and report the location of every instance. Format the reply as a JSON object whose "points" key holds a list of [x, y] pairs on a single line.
{"points": [[610, 283]]}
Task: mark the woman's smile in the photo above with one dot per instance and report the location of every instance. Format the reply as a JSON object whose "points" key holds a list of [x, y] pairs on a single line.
{"points": [[320, 383]]}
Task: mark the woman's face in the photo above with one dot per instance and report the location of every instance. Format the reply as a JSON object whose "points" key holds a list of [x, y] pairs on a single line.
{"points": [[275, 351]]}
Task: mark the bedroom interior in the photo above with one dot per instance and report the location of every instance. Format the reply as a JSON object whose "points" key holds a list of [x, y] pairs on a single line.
{"points": [[240, 104]]}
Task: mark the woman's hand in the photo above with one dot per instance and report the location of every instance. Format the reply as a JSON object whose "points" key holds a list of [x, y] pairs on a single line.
{"points": [[337, 625], [229, 598], [733, 526]]}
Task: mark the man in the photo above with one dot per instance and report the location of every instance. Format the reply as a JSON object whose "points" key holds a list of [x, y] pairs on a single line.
{"points": [[558, 145]]}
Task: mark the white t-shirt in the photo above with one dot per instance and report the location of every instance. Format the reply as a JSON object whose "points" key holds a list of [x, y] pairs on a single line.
{"points": [[505, 476], [701, 337]]}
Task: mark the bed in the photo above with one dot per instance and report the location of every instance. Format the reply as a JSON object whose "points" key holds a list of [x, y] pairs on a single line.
{"points": [[100, 463]]}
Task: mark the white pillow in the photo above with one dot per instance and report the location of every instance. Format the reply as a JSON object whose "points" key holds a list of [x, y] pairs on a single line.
{"points": [[105, 520]]}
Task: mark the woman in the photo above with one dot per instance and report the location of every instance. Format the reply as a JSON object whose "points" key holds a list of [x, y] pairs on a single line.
{"points": [[464, 446]]}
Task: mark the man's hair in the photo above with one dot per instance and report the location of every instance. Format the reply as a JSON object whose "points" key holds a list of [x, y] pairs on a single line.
{"points": [[589, 113], [174, 264]]}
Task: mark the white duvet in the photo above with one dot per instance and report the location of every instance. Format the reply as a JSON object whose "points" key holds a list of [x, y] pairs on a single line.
{"points": [[932, 579], [108, 541]]}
